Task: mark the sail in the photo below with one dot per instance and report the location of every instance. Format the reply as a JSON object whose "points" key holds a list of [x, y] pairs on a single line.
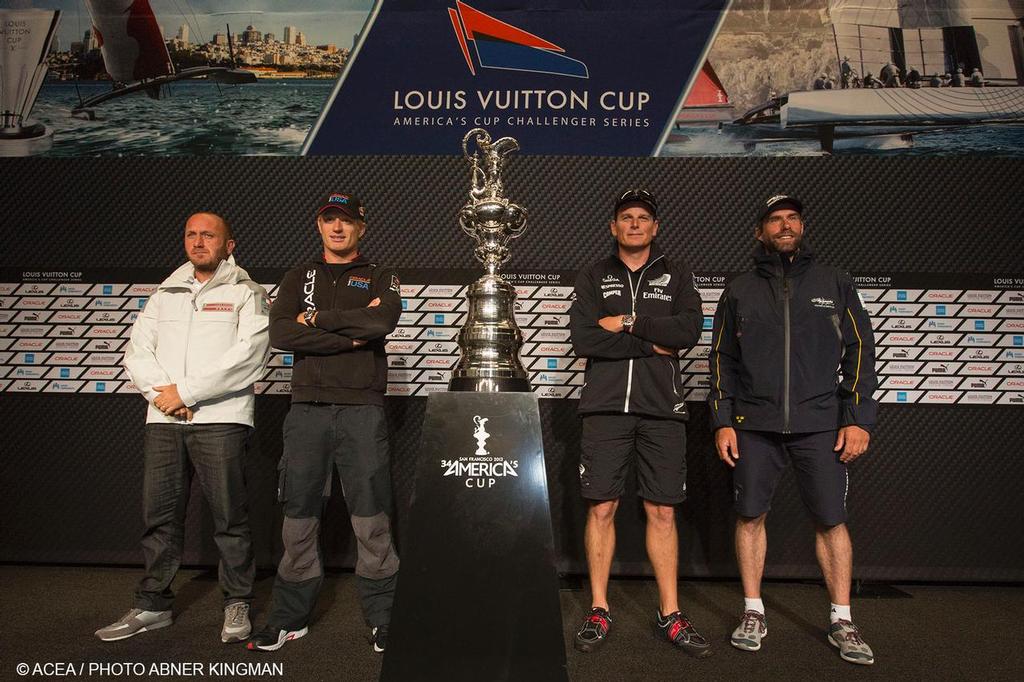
{"points": [[904, 13], [932, 36], [27, 36], [708, 90], [130, 39]]}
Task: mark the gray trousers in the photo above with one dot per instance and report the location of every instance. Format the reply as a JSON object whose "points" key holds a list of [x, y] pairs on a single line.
{"points": [[214, 453], [318, 437]]}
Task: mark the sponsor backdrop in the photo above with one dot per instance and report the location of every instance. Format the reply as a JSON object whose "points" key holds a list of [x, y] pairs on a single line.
{"points": [[930, 501]]}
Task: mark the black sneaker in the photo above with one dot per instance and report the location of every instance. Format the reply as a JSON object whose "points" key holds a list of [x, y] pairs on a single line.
{"points": [[677, 629], [379, 638], [272, 638], [594, 631]]}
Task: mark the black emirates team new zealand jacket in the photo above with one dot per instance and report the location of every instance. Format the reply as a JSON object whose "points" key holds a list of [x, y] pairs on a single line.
{"points": [[328, 368], [781, 341], [624, 374]]}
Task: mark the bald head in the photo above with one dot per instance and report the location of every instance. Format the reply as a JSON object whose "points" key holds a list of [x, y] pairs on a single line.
{"points": [[208, 241]]}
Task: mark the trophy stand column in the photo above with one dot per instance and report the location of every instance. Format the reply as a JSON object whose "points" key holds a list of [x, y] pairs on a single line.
{"points": [[477, 592], [477, 595]]}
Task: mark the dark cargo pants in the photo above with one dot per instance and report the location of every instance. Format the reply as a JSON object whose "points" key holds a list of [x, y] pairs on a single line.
{"points": [[318, 437]]}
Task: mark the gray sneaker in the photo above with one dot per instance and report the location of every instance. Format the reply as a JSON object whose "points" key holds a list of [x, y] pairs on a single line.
{"points": [[134, 622], [846, 637], [236, 623], [751, 630]]}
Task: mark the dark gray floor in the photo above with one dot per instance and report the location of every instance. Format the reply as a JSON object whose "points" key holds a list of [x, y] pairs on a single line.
{"points": [[935, 632]]}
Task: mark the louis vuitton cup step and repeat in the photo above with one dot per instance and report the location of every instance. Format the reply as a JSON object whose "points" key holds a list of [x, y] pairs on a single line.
{"points": [[478, 592]]}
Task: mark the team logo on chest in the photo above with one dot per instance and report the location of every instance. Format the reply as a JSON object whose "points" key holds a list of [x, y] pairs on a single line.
{"points": [[359, 282]]}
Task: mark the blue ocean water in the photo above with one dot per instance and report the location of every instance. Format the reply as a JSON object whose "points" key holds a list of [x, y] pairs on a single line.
{"points": [[191, 118], [978, 140]]}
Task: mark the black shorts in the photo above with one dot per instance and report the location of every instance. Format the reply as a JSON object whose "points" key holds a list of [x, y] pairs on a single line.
{"points": [[608, 445], [821, 478]]}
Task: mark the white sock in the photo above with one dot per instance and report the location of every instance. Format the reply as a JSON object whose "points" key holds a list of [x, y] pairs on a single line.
{"points": [[837, 612], [753, 605]]}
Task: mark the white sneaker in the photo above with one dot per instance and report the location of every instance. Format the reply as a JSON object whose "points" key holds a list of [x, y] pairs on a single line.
{"points": [[751, 630], [236, 623], [134, 622], [272, 639]]}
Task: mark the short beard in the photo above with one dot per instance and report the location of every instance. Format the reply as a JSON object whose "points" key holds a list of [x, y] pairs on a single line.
{"points": [[769, 246]]}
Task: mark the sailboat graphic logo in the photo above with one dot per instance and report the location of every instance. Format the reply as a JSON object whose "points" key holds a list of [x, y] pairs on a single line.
{"points": [[502, 46]]}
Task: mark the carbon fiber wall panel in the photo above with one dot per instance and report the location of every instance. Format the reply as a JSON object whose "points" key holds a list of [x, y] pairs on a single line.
{"points": [[866, 214], [936, 499]]}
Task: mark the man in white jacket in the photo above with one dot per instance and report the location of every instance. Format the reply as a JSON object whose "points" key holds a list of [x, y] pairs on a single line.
{"points": [[195, 352]]}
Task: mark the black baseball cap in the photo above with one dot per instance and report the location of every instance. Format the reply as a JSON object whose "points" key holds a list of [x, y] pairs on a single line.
{"points": [[637, 196], [779, 202], [346, 203]]}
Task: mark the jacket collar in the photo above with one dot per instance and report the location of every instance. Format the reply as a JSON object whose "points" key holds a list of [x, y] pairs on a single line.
{"points": [[654, 255], [769, 264], [227, 273]]}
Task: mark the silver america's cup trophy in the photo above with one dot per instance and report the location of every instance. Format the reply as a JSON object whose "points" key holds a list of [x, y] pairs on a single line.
{"points": [[25, 38], [490, 339]]}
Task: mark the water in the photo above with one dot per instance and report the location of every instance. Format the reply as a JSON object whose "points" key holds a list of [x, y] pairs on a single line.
{"points": [[976, 140], [191, 118]]}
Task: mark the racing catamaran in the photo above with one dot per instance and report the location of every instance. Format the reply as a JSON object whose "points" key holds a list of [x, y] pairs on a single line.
{"points": [[931, 36], [136, 56]]}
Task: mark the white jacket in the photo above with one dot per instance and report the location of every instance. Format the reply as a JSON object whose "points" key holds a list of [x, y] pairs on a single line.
{"points": [[213, 344]]}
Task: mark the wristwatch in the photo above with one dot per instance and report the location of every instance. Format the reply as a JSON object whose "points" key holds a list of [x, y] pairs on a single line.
{"points": [[308, 317], [628, 321]]}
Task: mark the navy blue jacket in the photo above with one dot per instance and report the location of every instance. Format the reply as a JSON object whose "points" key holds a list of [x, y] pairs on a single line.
{"points": [[792, 351]]}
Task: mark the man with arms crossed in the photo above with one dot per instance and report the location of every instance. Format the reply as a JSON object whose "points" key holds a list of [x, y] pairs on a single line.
{"points": [[780, 333], [195, 352], [633, 312], [333, 312]]}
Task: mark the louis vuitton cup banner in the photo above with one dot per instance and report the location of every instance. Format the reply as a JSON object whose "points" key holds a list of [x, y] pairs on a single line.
{"points": [[563, 77]]}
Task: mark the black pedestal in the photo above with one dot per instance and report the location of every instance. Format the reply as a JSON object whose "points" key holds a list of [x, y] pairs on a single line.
{"points": [[477, 590]]}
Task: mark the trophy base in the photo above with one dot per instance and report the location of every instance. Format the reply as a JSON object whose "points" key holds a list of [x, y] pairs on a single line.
{"points": [[489, 385], [478, 546]]}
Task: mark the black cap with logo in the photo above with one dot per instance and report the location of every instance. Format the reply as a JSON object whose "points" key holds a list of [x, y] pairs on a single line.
{"points": [[778, 203], [637, 196], [346, 203]]}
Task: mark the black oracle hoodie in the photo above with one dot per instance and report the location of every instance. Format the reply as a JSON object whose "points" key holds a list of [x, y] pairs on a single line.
{"points": [[328, 367]]}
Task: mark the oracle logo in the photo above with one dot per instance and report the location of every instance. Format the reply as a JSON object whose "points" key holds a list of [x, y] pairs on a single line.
{"points": [[941, 295], [898, 381]]}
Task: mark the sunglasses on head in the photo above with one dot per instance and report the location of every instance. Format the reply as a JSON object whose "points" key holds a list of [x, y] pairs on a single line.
{"points": [[638, 195]]}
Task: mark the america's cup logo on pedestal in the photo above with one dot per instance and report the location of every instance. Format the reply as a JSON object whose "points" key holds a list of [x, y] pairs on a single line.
{"points": [[25, 37], [490, 339]]}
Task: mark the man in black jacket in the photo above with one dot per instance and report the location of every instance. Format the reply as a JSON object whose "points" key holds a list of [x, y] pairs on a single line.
{"points": [[632, 314], [333, 314], [780, 333]]}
